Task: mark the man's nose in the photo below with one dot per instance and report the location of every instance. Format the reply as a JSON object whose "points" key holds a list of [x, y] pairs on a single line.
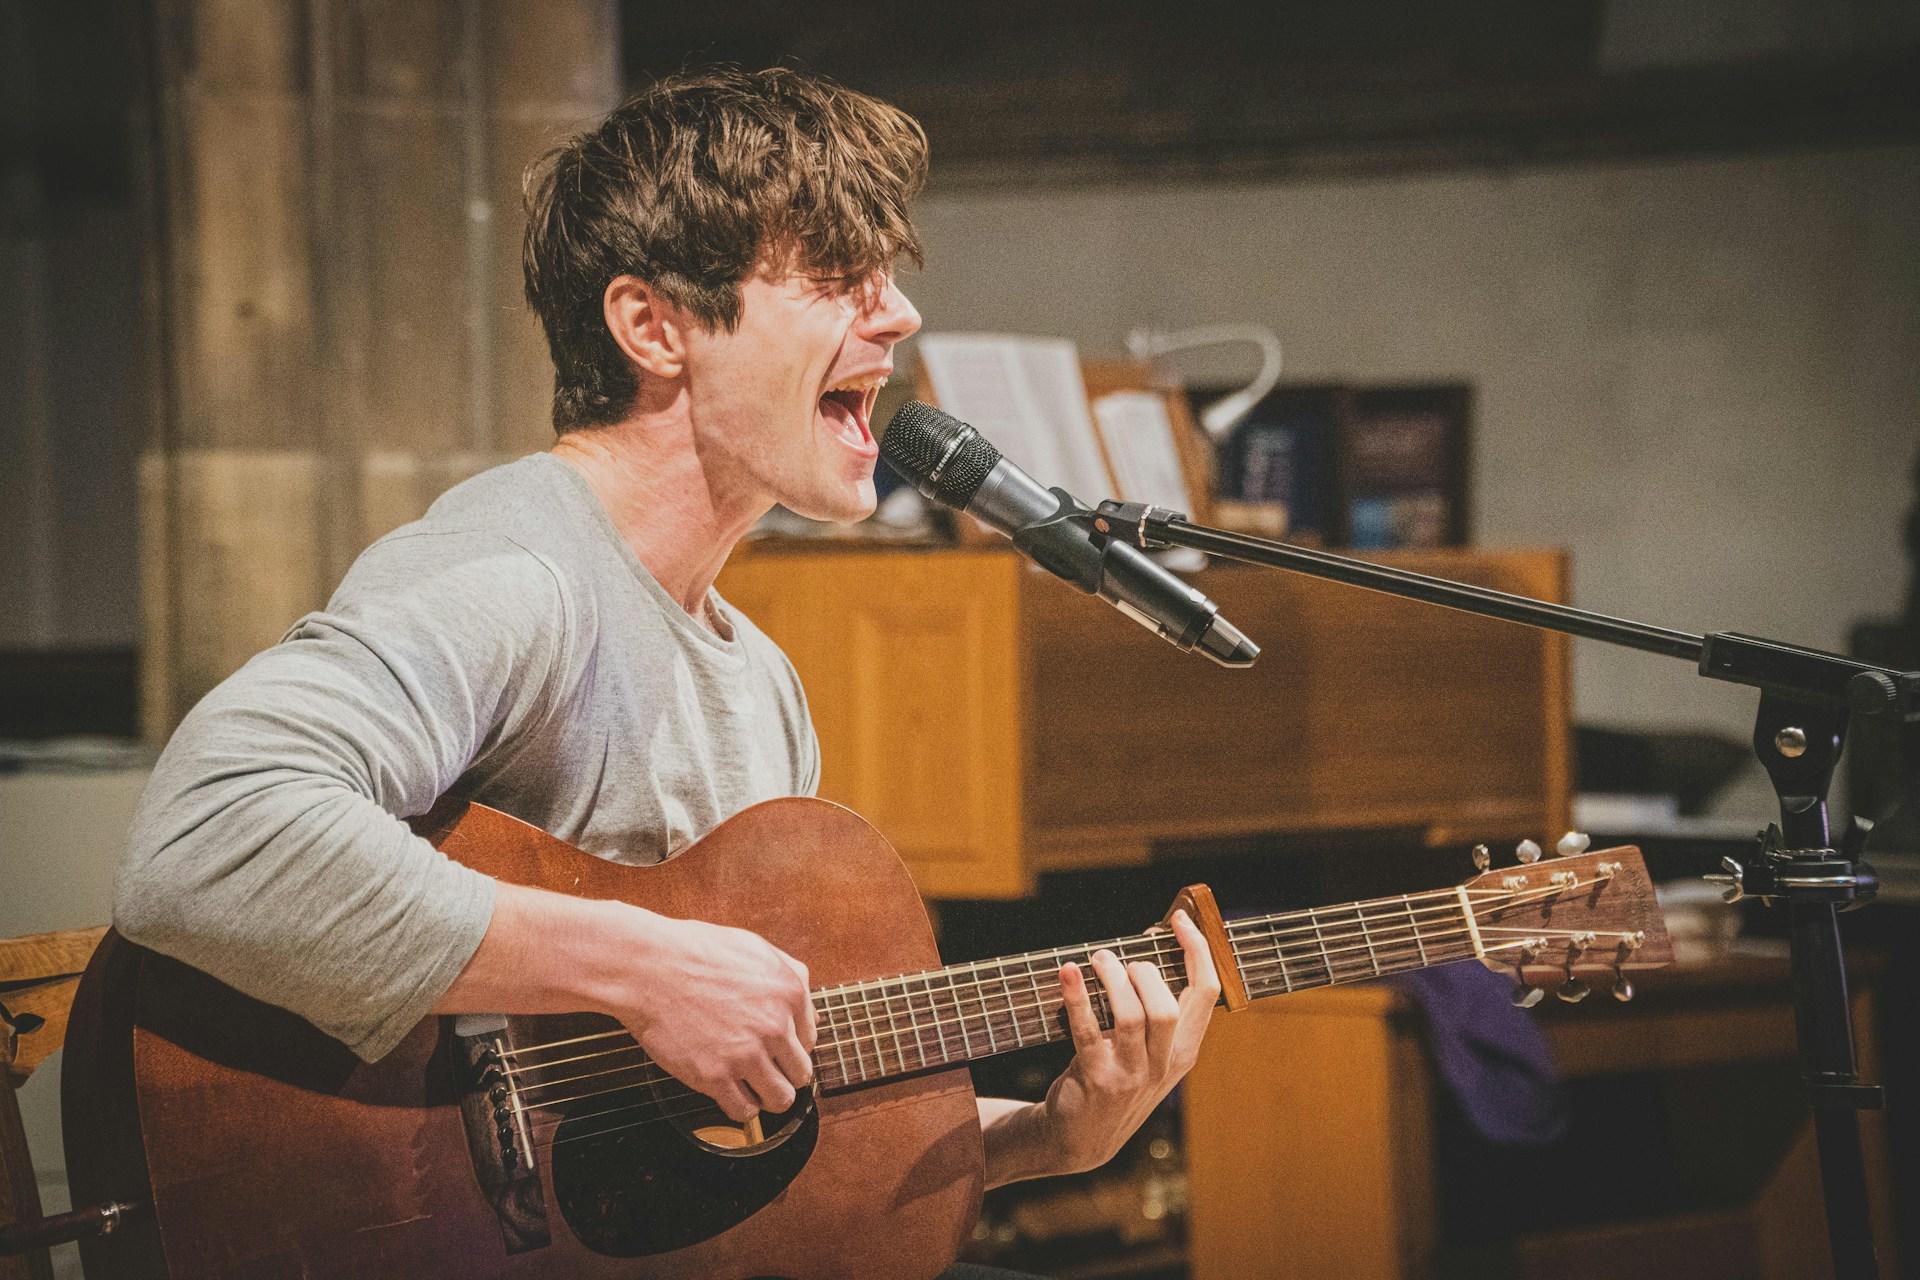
{"points": [[890, 317]]}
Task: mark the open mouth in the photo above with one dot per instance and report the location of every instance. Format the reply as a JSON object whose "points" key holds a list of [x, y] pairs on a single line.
{"points": [[849, 408]]}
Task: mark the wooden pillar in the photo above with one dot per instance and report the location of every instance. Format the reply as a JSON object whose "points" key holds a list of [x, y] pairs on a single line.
{"points": [[337, 198]]}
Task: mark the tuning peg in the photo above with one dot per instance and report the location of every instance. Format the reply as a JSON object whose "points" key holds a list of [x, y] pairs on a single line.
{"points": [[1527, 851], [1482, 859], [1622, 986], [1573, 842], [1573, 991], [1524, 997]]}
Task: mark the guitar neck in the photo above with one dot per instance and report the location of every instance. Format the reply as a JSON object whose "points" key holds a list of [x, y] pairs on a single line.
{"points": [[903, 1025]]}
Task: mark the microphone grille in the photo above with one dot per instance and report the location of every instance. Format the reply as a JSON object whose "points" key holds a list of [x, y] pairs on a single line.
{"points": [[921, 438]]}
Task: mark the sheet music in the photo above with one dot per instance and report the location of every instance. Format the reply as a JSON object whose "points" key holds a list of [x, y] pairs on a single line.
{"points": [[1146, 461], [1027, 398]]}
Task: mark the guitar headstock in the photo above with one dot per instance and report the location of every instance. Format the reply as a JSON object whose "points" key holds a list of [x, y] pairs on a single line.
{"points": [[1559, 922]]}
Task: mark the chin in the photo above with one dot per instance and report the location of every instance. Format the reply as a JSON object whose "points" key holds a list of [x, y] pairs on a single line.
{"points": [[850, 506]]}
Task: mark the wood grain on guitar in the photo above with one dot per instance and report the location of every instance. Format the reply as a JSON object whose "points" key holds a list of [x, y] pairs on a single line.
{"points": [[551, 1146]]}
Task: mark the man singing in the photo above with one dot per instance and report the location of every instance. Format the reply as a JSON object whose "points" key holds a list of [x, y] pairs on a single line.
{"points": [[713, 266]]}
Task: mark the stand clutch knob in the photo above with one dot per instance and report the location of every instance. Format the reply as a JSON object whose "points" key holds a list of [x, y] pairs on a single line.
{"points": [[1872, 693]]}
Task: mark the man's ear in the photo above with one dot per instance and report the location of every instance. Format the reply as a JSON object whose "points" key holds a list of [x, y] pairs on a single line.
{"points": [[646, 327]]}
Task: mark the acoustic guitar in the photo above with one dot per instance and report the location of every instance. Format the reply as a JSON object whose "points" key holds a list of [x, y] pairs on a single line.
{"points": [[241, 1141]]}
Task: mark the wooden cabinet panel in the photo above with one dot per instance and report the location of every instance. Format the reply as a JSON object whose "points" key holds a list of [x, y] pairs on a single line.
{"points": [[914, 674], [994, 723], [1364, 711]]}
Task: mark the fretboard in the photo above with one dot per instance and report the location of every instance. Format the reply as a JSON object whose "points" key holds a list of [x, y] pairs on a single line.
{"points": [[903, 1025]]}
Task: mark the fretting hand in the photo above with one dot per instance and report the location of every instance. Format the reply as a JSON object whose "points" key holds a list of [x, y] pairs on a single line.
{"points": [[1117, 1077]]}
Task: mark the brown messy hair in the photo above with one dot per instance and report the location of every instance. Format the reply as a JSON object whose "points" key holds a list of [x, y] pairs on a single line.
{"points": [[693, 184]]}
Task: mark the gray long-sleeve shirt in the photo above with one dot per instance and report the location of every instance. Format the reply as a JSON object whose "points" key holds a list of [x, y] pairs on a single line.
{"points": [[508, 646]]}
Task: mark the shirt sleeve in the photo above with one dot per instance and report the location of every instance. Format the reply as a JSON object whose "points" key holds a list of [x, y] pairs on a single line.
{"points": [[269, 848]]}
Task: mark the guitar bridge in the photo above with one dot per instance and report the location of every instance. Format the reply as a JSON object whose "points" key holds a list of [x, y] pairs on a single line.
{"points": [[498, 1136]]}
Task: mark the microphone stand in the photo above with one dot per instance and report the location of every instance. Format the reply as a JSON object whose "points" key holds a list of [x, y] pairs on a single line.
{"points": [[1806, 697]]}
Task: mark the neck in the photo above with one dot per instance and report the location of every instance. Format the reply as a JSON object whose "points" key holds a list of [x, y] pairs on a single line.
{"points": [[905, 1025], [899, 1026], [664, 503]]}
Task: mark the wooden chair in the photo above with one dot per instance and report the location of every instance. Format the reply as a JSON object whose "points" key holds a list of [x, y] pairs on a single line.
{"points": [[39, 975]]}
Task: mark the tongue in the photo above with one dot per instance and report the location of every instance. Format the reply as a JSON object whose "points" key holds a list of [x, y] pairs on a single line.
{"points": [[844, 416]]}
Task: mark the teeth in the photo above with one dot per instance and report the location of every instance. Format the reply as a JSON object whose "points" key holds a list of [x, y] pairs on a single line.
{"points": [[871, 383]]}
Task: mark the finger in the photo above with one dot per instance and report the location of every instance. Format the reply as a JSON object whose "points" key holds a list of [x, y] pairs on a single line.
{"points": [[794, 1062], [769, 1089], [1202, 980], [803, 1013], [1080, 1020], [1129, 1019], [731, 1097], [1156, 998]]}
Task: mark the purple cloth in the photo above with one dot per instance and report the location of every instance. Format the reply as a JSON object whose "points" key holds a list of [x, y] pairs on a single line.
{"points": [[1491, 1056]]}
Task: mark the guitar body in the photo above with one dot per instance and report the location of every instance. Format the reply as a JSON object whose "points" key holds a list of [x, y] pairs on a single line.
{"points": [[267, 1149]]}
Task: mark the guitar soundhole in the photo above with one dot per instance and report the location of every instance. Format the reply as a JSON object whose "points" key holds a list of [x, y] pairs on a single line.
{"points": [[648, 1170], [712, 1129]]}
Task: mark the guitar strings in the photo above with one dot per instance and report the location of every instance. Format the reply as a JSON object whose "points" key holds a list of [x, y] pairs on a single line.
{"points": [[678, 1092], [870, 1028], [897, 987], [705, 1105], [1394, 954], [1445, 900], [649, 1073], [1245, 926], [1253, 968]]}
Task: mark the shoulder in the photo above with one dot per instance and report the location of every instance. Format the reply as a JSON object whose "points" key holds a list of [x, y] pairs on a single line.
{"points": [[487, 548], [470, 572]]}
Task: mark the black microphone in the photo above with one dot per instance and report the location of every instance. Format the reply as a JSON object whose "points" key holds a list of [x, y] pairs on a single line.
{"points": [[950, 462]]}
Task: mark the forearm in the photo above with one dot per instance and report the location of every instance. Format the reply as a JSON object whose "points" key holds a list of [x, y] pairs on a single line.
{"points": [[550, 953], [1019, 1142]]}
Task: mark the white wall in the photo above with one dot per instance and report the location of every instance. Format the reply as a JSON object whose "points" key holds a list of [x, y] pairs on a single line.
{"points": [[1702, 376]]}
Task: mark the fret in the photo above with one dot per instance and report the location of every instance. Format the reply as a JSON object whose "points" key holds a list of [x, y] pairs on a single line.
{"points": [[853, 1027], [986, 1010], [960, 1013], [839, 1045], [939, 1023], [1279, 956], [893, 1028], [1313, 918], [873, 1022], [913, 1019], [1406, 904], [1006, 993], [1366, 934], [1039, 1001]]}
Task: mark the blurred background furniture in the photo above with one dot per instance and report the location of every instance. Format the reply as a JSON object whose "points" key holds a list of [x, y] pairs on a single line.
{"points": [[1315, 1119], [997, 726], [39, 975]]}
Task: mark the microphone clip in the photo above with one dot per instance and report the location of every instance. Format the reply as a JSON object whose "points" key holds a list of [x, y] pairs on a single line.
{"points": [[1077, 560], [1140, 523]]}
